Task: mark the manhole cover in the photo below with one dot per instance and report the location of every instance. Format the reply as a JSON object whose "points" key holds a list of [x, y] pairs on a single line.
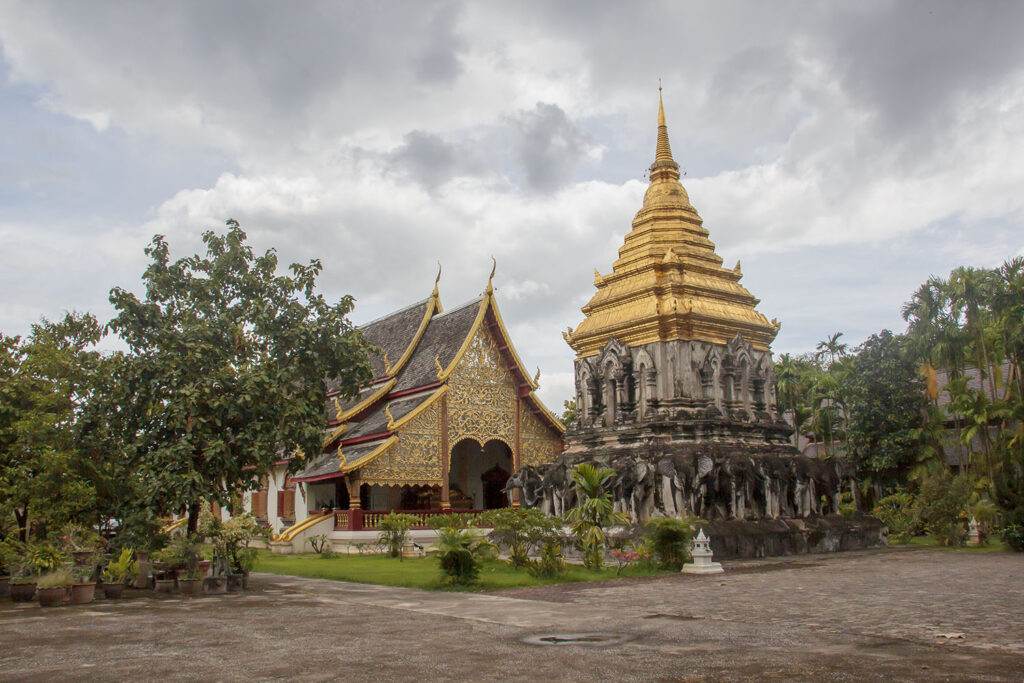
{"points": [[590, 639]]}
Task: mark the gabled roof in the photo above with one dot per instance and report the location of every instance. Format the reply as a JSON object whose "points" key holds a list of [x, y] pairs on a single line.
{"points": [[430, 353]]}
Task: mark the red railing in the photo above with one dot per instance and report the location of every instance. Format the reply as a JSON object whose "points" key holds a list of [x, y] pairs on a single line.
{"points": [[360, 520]]}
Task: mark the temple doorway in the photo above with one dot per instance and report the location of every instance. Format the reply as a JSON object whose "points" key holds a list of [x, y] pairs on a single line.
{"points": [[477, 474]]}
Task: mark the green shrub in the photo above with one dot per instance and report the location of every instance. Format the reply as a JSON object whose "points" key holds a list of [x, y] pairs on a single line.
{"points": [[943, 502], [182, 553], [11, 552], [593, 513], [670, 539], [123, 568], [394, 532], [40, 558], [1013, 536], [847, 505], [319, 543], [551, 562], [521, 530], [899, 511], [56, 578], [461, 549]]}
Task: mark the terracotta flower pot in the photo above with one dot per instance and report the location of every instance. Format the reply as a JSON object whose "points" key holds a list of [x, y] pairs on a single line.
{"points": [[191, 587], [215, 585], [204, 567], [165, 586], [51, 597], [23, 592], [113, 591], [82, 593]]}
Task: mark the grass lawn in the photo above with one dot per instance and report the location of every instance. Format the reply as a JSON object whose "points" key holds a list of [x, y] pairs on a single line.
{"points": [[994, 545], [421, 572]]}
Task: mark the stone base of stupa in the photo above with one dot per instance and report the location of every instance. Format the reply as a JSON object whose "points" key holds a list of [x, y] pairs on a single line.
{"points": [[742, 539], [709, 568]]}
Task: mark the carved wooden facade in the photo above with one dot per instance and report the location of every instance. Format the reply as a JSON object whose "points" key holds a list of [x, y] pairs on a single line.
{"points": [[458, 378]]}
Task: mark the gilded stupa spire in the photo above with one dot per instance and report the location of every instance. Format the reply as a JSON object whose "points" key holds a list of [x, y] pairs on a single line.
{"points": [[665, 259], [663, 154]]}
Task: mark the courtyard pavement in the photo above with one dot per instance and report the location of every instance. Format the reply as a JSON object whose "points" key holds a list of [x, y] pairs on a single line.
{"points": [[892, 614]]}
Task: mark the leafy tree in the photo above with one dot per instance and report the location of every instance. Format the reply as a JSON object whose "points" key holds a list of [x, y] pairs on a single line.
{"points": [[45, 381], [228, 360], [886, 413], [943, 502], [569, 413], [594, 511]]}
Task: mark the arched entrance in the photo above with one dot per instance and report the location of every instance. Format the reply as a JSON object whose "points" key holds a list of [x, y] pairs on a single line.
{"points": [[478, 474]]}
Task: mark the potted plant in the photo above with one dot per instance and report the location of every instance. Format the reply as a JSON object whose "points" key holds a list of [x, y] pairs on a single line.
{"points": [[244, 562], [83, 588], [23, 584], [8, 560], [52, 587], [81, 542], [119, 572], [182, 555], [191, 584]]}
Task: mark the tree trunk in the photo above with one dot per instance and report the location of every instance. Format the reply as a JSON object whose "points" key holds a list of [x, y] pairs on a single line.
{"points": [[193, 518], [22, 520]]}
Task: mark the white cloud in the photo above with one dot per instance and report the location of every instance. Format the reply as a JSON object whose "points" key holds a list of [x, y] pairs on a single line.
{"points": [[385, 139]]}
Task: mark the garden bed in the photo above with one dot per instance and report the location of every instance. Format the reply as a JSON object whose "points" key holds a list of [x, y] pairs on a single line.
{"points": [[425, 572]]}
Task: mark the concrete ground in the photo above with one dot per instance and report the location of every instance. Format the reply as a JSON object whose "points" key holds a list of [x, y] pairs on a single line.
{"points": [[892, 614]]}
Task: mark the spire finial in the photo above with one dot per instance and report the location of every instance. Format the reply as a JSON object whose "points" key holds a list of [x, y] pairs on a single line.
{"points": [[490, 286], [437, 280], [664, 151]]}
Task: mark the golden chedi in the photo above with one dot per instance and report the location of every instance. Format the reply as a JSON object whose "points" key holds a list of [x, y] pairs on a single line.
{"points": [[675, 392], [671, 336]]}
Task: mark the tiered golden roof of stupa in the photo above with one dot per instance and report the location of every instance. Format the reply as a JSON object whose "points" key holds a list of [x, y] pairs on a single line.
{"points": [[668, 283]]}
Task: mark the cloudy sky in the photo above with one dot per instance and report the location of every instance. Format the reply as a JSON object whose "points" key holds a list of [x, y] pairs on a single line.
{"points": [[842, 151]]}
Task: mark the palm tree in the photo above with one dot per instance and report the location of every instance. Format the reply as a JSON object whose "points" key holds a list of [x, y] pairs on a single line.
{"points": [[593, 512], [833, 347]]}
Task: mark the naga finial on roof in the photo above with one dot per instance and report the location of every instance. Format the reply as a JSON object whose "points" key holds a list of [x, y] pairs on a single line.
{"points": [[490, 280]]}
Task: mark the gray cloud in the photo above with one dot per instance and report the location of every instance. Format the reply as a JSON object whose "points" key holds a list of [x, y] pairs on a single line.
{"points": [[431, 160], [549, 146]]}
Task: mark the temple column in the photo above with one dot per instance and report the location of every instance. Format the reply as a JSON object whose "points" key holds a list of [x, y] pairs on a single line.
{"points": [[594, 404], [514, 494], [445, 455], [642, 396], [353, 483], [621, 400]]}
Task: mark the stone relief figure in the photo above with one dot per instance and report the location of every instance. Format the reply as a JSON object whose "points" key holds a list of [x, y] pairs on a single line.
{"points": [[713, 487]]}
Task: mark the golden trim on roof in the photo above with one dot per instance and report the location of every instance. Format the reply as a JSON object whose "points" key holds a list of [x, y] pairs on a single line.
{"points": [[405, 419], [668, 283], [442, 375], [347, 415], [433, 307], [508, 343], [345, 466]]}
